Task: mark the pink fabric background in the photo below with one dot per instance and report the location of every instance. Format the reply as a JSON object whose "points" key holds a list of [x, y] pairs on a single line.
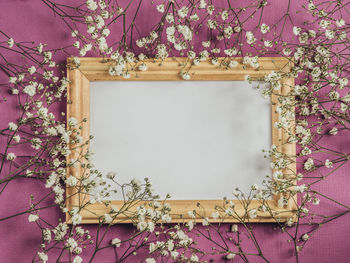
{"points": [[19, 240]]}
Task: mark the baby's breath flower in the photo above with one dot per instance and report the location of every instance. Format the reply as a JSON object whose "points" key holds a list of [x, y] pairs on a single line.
{"points": [[72, 180], [234, 228], [316, 201], [43, 257], [324, 24], [305, 237], [183, 12], [30, 90], [333, 131], [31, 70], [210, 9], [329, 34], [12, 126], [10, 156], [76, 218], [212, 24], [166, 218], [224, 15], [296, 30], [16, 138], [237, 29], [300, 188], [205, 222], [33, 218], [10, 42], [215, 215], [72, 122], [202, 4], [230, 256], [116, 242], [250, 37], [340, 22], [309, 164], [252, 213], [194, 258], [160, 8], [77, 259], [328, 164], [91, 4], [264, 28], [185, 75], [268, 43]]}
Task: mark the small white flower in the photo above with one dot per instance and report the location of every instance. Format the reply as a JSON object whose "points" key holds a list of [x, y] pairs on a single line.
{"points": [[233, 64], [160, 8], [234, 228], [174, 254], [92, 5], [31, 70], [237, 29], [116, 242], [36, 143], [194, 258], [185, 75], [255, 187], [340, 22], [43, 257], [150, 260], [107, 218], [296, 30], [12, 80], [309, 164], [30, 90], [143, 67], [106, 32], [287, 51], [10, 42], [224, 15], [210, 9], [16, 138], [333, 131], [10, 156], [194, 17], [33, 218], [324, 24], [264, 28], [316, 201], [72, 121], [215, 215], [166, 218], [12, 126], [328, 164], [230, 256], [205, 222], [202, 4], [250, 37], [76, 218], [268, 43], [77, 259], [252, 213], [305, 237], [111, 175], [72, 180], [329, 34], [183, 12]]}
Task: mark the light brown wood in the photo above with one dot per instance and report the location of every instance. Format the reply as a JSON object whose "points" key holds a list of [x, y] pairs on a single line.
{"points": [[96, 69]]}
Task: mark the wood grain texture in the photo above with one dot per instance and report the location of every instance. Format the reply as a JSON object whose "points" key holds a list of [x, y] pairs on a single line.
{"points": [[96, 69]]}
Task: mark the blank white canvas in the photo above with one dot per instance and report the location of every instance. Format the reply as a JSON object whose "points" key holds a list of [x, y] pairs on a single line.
{"points": [[194, 140]]}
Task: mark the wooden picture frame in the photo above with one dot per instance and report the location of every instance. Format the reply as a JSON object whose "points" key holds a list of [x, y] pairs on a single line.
{"points": [[96, 69]]}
